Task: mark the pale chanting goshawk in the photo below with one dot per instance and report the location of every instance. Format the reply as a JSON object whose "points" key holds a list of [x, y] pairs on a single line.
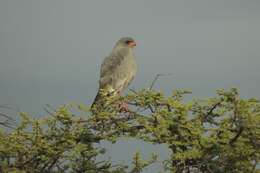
{"points": [[117, 70]]}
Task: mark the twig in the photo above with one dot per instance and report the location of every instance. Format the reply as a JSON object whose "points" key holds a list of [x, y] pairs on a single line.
{"points": [[8, 122], [233, 140], [10, 108], [151, 108], [210, 111], [213, 108], [5, 124], [133, 90], [48, 112], [50, 108], [156, 78], [6, 116]]}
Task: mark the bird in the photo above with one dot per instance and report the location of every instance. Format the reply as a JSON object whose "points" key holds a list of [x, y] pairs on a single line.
{"points": [[117, 71]]}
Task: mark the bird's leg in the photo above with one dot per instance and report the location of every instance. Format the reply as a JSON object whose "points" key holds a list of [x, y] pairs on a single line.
{"points": [[123, 106]]}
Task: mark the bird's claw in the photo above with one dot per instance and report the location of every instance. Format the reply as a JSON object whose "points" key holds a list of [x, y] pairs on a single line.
{"points": [[123, 107]]}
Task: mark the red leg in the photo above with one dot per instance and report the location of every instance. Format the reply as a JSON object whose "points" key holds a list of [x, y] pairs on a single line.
{"points": [[123, 107]]}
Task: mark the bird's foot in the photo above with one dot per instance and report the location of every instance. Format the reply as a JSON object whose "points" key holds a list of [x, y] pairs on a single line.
{"points": [[123, 107]]}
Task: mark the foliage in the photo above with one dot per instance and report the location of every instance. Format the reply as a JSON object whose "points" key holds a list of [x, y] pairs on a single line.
{"points": [[215, 135]]}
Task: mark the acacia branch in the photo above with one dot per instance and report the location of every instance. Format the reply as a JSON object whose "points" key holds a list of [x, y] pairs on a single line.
{"points": [[233, 140], [156, 78]]}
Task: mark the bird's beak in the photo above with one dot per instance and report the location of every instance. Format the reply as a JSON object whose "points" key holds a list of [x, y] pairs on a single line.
{"points": [[132, 44]]}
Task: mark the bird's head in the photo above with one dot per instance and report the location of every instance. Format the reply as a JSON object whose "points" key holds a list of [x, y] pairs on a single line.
{"points": [[126, 42]]}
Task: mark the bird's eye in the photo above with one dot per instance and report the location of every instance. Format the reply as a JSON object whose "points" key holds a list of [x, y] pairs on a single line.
{"points": [[127, 41]]}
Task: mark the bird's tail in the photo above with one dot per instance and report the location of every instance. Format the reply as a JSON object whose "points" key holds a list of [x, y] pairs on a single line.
{"points": [[96, 100], [101, 99]]}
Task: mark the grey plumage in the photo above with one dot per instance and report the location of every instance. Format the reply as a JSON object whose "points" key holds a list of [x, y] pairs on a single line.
{"points": [[117, 70]]}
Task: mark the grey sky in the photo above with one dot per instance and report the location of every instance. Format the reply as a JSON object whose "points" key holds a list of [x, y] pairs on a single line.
{"points": [[51, 50]]}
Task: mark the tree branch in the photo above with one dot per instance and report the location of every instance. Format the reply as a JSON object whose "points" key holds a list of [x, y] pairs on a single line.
{"points": [[156, 78], [233, 140]]}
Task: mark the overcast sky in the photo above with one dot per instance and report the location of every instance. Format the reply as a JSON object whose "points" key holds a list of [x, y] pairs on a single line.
{"points": [[51, 50]]}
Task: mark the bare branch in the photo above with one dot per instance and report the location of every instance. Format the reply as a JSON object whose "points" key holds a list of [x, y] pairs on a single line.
{"points": [[156, 78], [7, 120]]}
